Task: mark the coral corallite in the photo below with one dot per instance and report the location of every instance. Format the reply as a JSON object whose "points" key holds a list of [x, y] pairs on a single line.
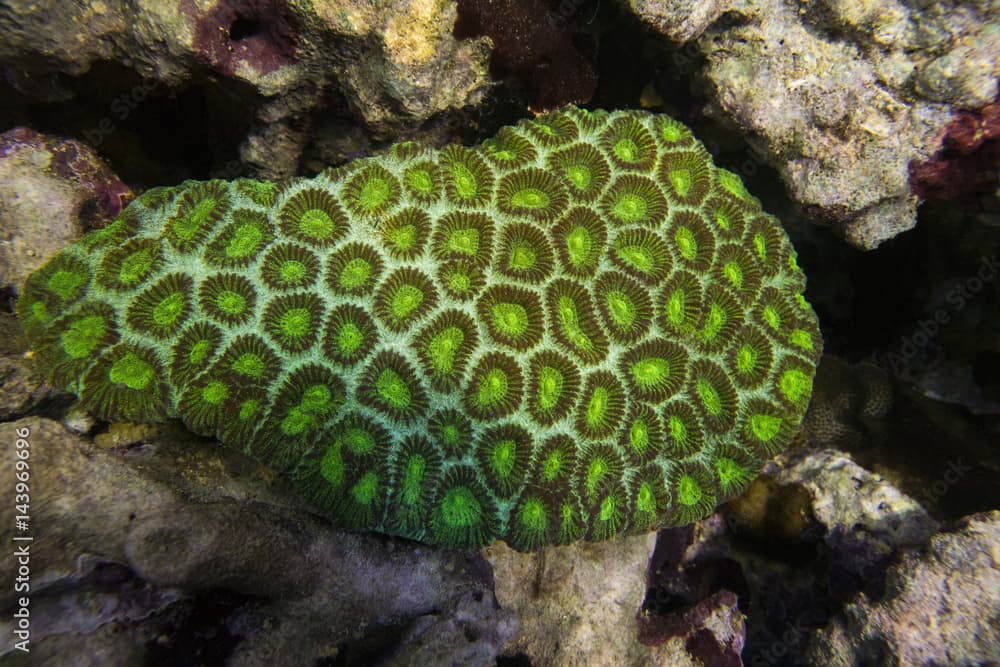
{"points": [[578, 329]]}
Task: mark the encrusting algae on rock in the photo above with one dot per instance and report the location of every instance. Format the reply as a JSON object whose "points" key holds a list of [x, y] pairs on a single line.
{"points": [[577, 329]]}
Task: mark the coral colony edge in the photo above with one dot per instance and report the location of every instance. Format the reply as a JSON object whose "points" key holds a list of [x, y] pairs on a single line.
{"points": [[578, 329]]}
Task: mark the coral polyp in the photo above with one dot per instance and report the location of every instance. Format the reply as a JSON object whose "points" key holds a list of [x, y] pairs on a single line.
{"points": [[580, 329]]}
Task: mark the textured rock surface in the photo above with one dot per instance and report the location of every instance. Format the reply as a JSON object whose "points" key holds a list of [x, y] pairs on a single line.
{"points": [[140, 539], [578, 604], [579, 328], [395, 65], [814, 533], [841, 97], [941, 606], [51, 191]]}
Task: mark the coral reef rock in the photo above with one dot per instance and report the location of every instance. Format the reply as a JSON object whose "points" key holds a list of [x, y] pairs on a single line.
{"points": [[941, 606], [51, 191], [578, 604], [394, 65], [841, 97]]}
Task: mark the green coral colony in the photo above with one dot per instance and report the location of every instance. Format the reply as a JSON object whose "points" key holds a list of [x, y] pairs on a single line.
{"points": [[578, 329]]}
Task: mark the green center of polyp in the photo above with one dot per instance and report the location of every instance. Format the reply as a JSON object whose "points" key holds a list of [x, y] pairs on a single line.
{"points": [[82, 336], [459, 281], [522, 256], [688, 491], [199, 351], [795, 384], [249, 364], [404, 237], [245, 242], [355, 273], [413, 477], [681, 180], [709, 396], [359, 440], [504, 457], [443, 347], [579, 175], [639, 257], [316, 224], [214, 392], [493, 388], [230, 302], [510, 319], [349, 338], [420, 180], [65, 284], [405, 300], [459, 508], [596, 472], [465, 181], [630, 207], [686, 243], [393, 390], [132, 372], [570, 321], [638, 435], [464, 241], [530, 198], [678, 430], [675, 308], [621, 308], [136, 265], [552, 467], [374, 193], [746, 358], [598, 407], [292, 271], [169, 309], [579, 245], [651, 372], [532, 516], [294, 323], [626, 150], [550, 385]]}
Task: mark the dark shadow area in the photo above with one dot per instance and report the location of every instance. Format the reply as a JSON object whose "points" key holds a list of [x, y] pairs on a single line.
{"points": [[150, 134]]}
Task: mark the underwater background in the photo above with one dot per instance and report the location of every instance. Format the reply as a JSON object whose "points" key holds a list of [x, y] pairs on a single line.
{"points": [[870, 130]]}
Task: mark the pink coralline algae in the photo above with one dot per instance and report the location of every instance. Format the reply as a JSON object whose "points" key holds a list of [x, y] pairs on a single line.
{"points": [[260, 33], [75, 161], [967, 165]]}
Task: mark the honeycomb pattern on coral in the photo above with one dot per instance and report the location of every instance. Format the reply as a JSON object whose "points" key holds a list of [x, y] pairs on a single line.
{"points": [[578, 329]]}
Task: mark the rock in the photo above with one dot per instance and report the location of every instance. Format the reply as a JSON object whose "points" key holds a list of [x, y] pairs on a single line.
{"points": [[941, 606], [175, 531], [51, 191], [679, 20], [578, 604], [863, 519], [824, 92], [812, 532], [273, 64]]}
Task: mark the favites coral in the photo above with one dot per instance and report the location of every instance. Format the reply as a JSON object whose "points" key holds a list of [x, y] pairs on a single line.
{"points": [[579, 329]]}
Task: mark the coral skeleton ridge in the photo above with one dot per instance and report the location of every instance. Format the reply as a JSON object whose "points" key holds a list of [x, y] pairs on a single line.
{"points": [[579, 328]]}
